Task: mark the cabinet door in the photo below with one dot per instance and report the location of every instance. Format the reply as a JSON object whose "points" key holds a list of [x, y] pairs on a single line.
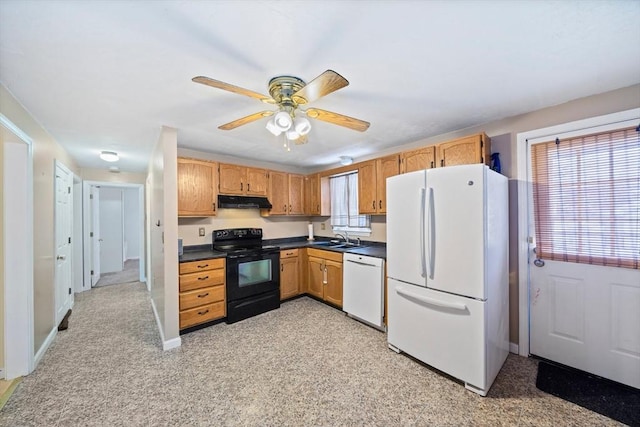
{"points": [[289, 277], [415, 160], [278, 193], [232, 179], [312, 194], [197, 188], [367, 195], [385, 167], [257, 182], [296, 194], [333, 287], [463, 151], [315, 277]]}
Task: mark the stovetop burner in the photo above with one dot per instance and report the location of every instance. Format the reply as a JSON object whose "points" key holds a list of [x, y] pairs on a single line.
{"points": [[240, 240]]}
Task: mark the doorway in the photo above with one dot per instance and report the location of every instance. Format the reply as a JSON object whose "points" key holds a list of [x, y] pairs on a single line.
{"points": [[17, 250], [579, 276], [114, 233]]}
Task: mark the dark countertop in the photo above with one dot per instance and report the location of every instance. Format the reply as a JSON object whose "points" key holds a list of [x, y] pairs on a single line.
{"points": [[374, 249]]}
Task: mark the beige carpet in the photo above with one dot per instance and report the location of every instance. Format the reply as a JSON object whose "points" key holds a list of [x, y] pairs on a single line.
{"points": [[305, 364], [130, 273]]}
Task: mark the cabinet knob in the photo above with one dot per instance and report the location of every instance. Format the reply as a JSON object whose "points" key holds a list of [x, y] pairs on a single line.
{"points": [[203, 278]]}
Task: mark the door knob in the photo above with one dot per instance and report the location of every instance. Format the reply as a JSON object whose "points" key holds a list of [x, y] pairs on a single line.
{"points": [[61, 257]]}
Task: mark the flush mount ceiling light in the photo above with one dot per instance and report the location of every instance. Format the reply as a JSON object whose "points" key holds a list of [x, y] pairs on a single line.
{"points": [[109, 156], [345, 160]]}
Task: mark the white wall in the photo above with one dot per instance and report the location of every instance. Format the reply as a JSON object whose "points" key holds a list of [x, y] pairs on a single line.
{"points": [[163, 235], [111, 229], [131, 207]]}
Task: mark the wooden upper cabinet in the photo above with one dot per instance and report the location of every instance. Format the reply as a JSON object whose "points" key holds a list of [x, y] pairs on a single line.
{"points": [[242, 180], [386, 167], [464, 151], [197, 187], [232, 179], [257, 182], [367, 182], [312, 194], [286, 193], [278, 193], [415, 160], [372, 183], [296, 194]]}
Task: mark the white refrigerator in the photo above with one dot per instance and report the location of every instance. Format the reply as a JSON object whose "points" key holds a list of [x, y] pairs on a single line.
{"points": [[447, 270]]}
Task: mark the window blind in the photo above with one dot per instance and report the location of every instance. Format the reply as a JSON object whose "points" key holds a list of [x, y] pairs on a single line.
{"points": [[344, 202], [586, 195]]}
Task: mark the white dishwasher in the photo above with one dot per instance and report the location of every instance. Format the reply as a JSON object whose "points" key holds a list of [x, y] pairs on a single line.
{"points": [[363, 288]]}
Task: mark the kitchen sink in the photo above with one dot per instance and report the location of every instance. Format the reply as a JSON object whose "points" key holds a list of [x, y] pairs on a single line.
{"points": [[337, 244]]}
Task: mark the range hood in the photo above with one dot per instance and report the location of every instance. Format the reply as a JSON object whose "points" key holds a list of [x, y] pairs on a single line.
{"points": [[243, 202]]}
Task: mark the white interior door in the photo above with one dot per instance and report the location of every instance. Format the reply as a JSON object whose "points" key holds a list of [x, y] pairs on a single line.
{"points": [[63, 232], [94, 234], [111, 230], [582, 315]]}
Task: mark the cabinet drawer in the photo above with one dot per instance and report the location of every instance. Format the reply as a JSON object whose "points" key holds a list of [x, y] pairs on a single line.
{"points": [[200, 297], [289, 253], [204, 279], [205, 264], [333, 256], [202, 314]]}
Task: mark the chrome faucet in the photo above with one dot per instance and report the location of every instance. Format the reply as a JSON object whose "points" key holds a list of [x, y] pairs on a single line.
{"points": [[345, 236]]}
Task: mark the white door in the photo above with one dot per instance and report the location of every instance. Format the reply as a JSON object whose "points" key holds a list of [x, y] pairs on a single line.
{"points": [[111, 230], [94, 233], [584, 315], [63, 231]]}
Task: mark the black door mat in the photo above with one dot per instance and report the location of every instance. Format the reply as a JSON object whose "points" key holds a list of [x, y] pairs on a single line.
{"points": [[611, 399]]}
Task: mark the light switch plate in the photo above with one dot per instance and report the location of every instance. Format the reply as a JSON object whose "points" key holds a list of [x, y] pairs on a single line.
{"points": [[201, 231]]}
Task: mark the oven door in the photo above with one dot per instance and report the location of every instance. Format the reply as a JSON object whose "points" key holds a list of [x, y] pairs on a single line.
{"points": [[252, 274]]}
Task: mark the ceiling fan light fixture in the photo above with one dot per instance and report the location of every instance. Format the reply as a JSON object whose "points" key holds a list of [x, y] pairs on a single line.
{"points": [[292, 135], [301, 125], [109, 156], [271, 127], [282, 121]]}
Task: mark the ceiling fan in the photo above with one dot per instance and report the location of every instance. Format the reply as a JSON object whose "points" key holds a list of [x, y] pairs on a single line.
{"points": [[289, 94]]}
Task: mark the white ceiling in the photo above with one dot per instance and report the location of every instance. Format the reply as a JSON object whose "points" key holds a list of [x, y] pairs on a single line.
{"points": [[106, 75]]}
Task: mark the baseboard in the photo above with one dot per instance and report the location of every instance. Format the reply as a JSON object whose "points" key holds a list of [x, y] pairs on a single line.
{"points": [[513, 348], [174, 343], [45, 346], [166, 345]]}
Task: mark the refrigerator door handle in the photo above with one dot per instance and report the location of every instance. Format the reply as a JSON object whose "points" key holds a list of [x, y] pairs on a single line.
{"points": [[430, 301], [432, 234], [423, 218]]}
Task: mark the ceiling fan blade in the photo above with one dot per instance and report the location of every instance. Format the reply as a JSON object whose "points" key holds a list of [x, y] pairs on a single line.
{"points": [[235, 89], [324, 84], [243, 121], [338, 119]]}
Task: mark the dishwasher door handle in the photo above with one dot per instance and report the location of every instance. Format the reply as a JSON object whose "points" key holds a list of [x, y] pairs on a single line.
{"points": [[362, 263]]}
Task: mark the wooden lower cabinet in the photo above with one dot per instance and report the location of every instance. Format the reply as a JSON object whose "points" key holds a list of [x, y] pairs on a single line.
{"points": [[202, 292], [289, 274], [325, 276]]}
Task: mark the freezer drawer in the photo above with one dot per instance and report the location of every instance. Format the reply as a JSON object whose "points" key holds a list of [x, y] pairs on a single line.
{"points": [[445, 331]]}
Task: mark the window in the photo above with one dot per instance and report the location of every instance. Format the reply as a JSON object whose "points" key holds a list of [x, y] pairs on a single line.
{"points": [[344, 204], [586, 194]]}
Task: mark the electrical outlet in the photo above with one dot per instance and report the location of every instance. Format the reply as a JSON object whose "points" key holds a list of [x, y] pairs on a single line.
{"points": [[201, 231], [322, 226]]}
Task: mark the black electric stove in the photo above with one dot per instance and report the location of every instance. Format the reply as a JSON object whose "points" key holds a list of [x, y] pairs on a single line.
{"points": [[252, 272]]}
